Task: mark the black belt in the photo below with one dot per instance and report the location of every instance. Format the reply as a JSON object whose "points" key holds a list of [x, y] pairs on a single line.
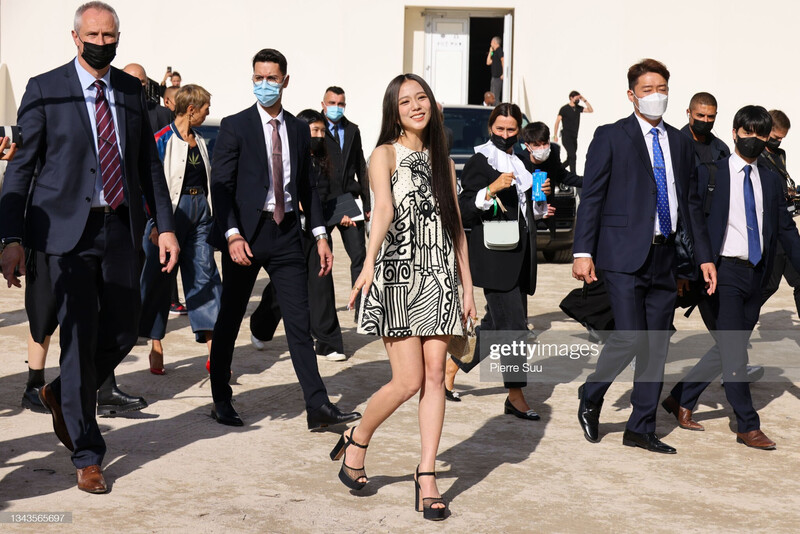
{"points": [[194, 191], [288, 216], [102, 209], [737, 261], [661, 239]]}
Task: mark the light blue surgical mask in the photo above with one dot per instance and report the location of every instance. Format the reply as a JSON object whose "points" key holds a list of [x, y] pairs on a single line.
{"points": [[267, 92], [334, 113]]}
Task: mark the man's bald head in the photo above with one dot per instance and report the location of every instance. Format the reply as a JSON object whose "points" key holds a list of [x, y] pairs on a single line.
{"points": [[137, 71], [169, 97]]}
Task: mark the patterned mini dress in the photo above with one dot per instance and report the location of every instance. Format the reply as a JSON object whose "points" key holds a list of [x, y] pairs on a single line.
{"points": [[415, 289]]}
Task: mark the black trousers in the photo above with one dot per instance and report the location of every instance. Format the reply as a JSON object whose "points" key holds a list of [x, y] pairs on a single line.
{"points": [[354, 241], [505, 310], [96, 287], [643, 304], [570, 142], [735, 306], [40, 303], [782, 268], [325, 326], [279, 250]]}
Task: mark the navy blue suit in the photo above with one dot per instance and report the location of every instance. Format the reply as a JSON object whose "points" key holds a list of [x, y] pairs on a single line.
{"points": [[736, 305], [615, 224], [92, 257], [240, 181]]}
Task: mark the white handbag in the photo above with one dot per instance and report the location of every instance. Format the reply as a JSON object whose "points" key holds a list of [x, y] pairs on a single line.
{"points": [[501, 235]]}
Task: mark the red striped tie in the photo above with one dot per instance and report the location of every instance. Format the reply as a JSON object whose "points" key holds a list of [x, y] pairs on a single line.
{"points": [[110, 164]]}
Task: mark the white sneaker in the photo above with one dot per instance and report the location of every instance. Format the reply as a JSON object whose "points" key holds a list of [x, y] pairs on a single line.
{"points": [[333, 356], [257, 343]]}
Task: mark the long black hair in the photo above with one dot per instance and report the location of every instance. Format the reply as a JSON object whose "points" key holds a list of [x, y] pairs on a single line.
{"points": [[435, 141], [320, 157]]}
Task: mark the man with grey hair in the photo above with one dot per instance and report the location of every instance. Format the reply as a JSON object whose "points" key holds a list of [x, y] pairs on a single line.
{"points": [[96, 160]]}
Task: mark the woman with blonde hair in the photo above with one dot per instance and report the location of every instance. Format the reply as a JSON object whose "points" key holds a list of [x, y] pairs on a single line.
{"points": [[184, 154]]}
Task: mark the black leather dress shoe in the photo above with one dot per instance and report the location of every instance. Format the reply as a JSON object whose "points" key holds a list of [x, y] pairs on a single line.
{"points": [[647, 441], [589, 417], [530, 415], [30, 400], [329, 414], [115, 401], [224, 413]]}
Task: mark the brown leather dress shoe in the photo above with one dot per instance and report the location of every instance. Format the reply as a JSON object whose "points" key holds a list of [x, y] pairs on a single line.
{"points": [[52, 405], [683, 415], [756, 439], [90, 479]]}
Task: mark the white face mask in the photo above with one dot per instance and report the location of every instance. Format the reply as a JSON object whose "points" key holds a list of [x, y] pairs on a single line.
{"points": [[541, 153], [652, 106]]}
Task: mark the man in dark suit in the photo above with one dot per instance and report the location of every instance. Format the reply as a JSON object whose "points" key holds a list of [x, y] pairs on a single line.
{"points": [[348, 176], [639, 180], [746, 221], [86, 124], [259, 175], [159, 115], [702, 113]]}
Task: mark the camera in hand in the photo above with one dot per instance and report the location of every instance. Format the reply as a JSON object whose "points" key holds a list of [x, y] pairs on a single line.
{"points": [[12, 132]]}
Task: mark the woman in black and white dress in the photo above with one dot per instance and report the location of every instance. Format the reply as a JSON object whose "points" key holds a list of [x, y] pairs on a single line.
{"points": [[416, 256]]}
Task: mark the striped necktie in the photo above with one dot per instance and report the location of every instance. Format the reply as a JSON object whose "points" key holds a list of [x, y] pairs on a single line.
{"points": [[108, 152]]}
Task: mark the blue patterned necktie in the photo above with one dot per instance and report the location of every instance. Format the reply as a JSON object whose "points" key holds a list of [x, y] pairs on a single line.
{"points": [[753, 241], [662, 199]]}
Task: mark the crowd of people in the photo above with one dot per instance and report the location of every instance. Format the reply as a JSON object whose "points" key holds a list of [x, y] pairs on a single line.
{"points": [[100, 252]]}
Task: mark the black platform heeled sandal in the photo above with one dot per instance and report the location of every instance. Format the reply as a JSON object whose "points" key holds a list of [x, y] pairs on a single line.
{"points": [[349, 476], [425, 504]]}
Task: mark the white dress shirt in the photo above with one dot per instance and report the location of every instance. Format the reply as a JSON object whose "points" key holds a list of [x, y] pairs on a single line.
{"points": [[663, 140], [89, 93], [734, 242], [269, 205]]}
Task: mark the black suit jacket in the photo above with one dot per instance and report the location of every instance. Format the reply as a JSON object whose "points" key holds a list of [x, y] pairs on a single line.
{"points": [[58, 138], [349, 170], [500, 270], [240, 175], [617, 211], [159, 116], [777, 223]]}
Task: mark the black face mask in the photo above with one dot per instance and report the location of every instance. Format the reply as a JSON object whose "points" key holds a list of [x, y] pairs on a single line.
{"points": [[316, 145], [773, 144], [702, 127], [750, 147], [504, 144], [99, 56]]}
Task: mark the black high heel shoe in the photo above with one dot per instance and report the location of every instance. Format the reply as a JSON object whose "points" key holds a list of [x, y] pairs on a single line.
{"points": [[349, 476], [425, 504], [530, 415]]}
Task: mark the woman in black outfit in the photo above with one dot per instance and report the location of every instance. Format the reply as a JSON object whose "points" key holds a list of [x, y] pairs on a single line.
{"points": [[495, 175]]}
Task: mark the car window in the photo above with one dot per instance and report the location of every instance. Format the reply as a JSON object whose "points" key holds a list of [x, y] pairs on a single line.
{"points": [[470, 128], [209, 133]]}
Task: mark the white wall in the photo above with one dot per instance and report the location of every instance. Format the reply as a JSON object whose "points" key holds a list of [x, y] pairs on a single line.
{"points": [[740, 51]]}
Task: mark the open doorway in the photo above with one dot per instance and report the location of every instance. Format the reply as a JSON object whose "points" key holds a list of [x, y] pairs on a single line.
{"points": [[481, 31]]}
